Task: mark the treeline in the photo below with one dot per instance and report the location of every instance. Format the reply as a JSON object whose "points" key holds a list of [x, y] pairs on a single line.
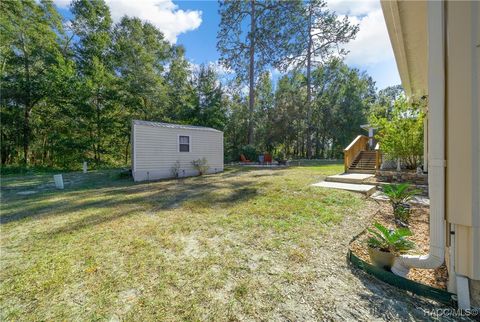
{"points": [[341, 99], [69, 90]]}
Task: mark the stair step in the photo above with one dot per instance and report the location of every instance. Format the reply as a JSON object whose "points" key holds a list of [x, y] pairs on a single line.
{"points": [[366, 171]]}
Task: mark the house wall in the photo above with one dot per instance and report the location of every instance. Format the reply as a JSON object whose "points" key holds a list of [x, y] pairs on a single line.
{"points": [[462, 141], [156, 150]]}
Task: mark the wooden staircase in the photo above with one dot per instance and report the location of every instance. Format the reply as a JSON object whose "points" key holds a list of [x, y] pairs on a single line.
{"points": [[359, 159], [365, 162]]}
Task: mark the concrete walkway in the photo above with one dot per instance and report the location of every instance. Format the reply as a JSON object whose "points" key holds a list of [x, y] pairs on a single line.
{"points": [[362, 188]]}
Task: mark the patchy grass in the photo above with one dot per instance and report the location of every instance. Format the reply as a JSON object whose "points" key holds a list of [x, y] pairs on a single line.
{"points": [[217, 247]]}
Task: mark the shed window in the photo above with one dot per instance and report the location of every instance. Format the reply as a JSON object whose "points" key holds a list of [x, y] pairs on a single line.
{"points": [[184, 143]]}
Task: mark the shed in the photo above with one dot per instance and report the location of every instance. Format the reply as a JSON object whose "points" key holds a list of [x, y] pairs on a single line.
{"points": [[158, 148]]}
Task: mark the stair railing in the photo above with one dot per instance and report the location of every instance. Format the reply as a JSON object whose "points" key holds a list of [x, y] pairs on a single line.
{"points": [[378, 156], [353, 150]]}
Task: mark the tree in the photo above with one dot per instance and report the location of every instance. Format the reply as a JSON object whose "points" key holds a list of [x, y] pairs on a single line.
{"points": [[209, 109], [30, 47], [235, 132], [386, 99], [93, 27], [401, 136], [181, 94], [288, 120], [264, 112], [248, 52], [140, 53], [318, 35]]}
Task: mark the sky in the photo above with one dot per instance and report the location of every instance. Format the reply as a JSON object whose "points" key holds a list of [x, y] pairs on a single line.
{"points": [[194, 24]]}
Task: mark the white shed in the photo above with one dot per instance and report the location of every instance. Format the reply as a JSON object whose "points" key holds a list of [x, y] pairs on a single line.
{"points": [[157, 148]]}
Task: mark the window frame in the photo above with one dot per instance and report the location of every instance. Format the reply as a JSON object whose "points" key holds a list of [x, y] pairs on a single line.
{"points": [[189, 143]]}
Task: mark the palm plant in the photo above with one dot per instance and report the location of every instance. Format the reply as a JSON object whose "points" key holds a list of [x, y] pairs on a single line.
{"points": [[390, 240], [399, 195]]}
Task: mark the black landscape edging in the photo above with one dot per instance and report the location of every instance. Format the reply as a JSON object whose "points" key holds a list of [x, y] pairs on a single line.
{"points": [[401, 282]]}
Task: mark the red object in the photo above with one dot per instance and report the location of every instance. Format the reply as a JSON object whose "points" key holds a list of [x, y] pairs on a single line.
{"points": [[243, 159], [267, 158]]}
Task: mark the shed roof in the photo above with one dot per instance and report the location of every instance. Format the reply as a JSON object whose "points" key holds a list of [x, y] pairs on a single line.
{"points": [[174, 126]]}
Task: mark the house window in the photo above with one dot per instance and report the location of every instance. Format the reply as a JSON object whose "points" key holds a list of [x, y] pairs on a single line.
{"points": [[184, 143]]}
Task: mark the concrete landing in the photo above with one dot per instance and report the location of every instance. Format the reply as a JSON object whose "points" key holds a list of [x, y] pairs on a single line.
{"points": [[349, 177], [362, 188]]}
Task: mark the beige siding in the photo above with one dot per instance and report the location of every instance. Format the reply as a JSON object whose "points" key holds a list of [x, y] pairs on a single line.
{"points": [[462, 134], [156, 150]]}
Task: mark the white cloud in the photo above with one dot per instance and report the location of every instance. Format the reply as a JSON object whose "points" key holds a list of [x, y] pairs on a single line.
{"points": [[353, 7], [220, 69], [164, 14], [372, 44]]}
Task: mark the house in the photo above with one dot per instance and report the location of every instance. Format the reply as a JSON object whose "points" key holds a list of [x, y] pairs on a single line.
{"points": [[437, 51], [163, 150]]}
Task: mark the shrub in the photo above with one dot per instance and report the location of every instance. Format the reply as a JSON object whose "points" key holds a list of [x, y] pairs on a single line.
{"points": [[401, 134], [399, 195], [280, 156], [250, 152], [390, 240], [201, 165], [175, 169]]}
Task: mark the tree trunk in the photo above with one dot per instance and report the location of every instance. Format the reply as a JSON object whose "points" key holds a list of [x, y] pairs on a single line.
{"points": [[251, 74], [126, 150], [317, 144], [309, 84], [26, 134], [26, 116]]}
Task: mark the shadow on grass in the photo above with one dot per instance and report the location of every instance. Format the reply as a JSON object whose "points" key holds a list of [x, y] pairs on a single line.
{"points": [[160, 195]]}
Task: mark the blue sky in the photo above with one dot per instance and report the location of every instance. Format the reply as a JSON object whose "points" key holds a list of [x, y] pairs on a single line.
{"points": [[194, 25]]}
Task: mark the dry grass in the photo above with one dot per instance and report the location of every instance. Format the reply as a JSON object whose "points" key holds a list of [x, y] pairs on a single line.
{"points": [[219, 247]]}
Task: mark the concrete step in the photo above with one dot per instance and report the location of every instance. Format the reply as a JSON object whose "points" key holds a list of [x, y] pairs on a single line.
{"points": [[370, 171], [349, 177], [362, 188]]}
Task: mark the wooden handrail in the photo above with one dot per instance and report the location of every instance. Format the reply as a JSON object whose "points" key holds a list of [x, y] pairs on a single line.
{"points": [[378, 156], [353, 150]]}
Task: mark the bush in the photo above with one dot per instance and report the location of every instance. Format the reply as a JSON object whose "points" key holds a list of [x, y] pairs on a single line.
{"points": [[401, 135], [389, 240], [399, 195], [200, 165], [250, 152], [175, 169], [280, 156]]}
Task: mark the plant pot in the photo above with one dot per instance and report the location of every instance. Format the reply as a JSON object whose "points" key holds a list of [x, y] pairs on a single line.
{"points": [[381, 259]]}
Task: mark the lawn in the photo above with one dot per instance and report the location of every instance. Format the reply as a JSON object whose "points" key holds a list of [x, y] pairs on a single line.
{"points": [[243, 244]]}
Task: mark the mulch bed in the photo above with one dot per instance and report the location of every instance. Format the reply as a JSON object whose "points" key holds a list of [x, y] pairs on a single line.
{"points": [[419, 225]]}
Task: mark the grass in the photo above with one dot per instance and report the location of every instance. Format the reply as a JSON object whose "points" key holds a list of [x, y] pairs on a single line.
{"points": [[217, 247]]}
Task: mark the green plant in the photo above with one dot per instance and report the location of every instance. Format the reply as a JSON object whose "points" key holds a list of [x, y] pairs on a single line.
{"points": [[250, 152], [201, 165], [280, 156], [176, 169], [390, 240], [399, 195], [401, 133]]}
